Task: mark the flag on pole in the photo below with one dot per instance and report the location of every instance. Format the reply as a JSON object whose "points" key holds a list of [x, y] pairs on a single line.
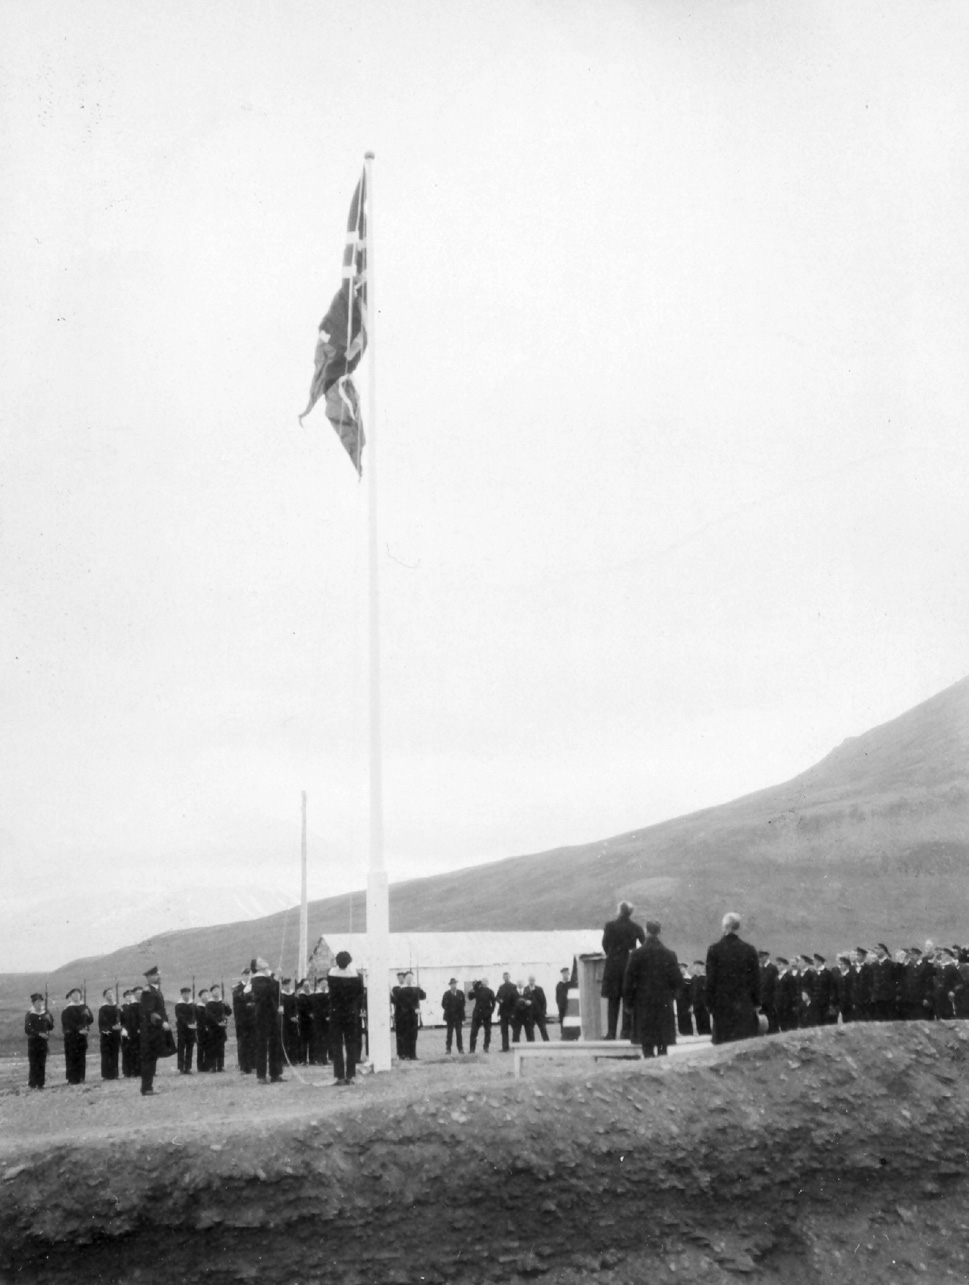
{"points": [[343, 336]]}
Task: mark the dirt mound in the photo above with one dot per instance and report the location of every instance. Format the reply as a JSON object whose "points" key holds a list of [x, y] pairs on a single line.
{"points": [[834, 1154]]}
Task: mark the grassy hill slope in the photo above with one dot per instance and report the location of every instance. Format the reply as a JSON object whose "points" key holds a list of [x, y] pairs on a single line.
{"points": [[872, 843]]}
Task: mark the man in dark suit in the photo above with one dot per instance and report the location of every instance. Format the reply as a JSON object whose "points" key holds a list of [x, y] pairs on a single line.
{"points": [[733, 984], [507, 1000], [539, 1006], [483, 998], [156, 1035], [453, 1005], [651, 984], [620, 936]]}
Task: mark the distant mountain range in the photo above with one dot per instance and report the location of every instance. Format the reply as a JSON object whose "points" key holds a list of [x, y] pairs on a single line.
{"points": [[871, 844]]}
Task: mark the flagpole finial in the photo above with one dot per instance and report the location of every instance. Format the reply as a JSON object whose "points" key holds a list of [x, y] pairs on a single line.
{"points": [[368, 156]]}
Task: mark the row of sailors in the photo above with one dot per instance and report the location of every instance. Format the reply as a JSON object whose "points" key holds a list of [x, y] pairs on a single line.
{"points": [[201, 1029], [865, 985]]}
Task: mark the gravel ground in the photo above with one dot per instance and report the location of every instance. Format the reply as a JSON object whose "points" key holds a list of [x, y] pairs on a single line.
{"points": [[838, 1154]]}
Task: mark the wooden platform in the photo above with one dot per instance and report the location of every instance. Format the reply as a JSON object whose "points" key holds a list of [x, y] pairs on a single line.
{"points": [[566, 1050]]}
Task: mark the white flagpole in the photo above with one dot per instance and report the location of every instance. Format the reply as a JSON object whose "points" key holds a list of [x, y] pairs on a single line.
{"points": [[301, 965], [378, 898]]}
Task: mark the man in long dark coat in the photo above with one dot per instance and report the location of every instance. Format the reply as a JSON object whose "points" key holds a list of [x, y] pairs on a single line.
{"points": [[620, 937], [650, 985], [156, 1035], [346, 997], [733, 984], [268, 1010]]}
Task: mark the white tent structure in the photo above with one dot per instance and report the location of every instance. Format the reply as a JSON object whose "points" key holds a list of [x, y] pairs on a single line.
{"points": [[434, 958]]}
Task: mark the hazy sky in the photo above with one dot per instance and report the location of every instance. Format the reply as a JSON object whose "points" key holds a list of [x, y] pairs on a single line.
{"points": [[671, 365]]}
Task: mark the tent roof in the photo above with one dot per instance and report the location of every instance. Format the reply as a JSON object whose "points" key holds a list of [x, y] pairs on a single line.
{"points": [[471, 950]]}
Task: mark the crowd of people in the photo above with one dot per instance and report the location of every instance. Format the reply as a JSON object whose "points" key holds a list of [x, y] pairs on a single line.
{"points": [[739, 991], [736, 992], [275, 1022]]}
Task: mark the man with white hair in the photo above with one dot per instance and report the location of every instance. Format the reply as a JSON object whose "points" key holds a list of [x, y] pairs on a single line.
{"points": [[733, 984]]}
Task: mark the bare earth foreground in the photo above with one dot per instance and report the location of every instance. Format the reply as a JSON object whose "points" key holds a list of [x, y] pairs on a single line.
{"points": [[838, 1154]]}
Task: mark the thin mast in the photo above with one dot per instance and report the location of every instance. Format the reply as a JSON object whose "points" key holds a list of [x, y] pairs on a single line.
{"points": [[378, 907], [301, 964]]}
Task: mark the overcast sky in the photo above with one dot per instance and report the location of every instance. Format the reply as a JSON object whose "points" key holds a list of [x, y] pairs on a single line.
{"points": [[671, 367]]}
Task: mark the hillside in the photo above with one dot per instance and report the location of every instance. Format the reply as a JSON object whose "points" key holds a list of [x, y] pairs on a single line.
{"points": [[872, 843]]}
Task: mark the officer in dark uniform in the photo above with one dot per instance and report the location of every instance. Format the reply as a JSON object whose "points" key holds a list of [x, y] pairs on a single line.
{"points": [[156, 1034], [38, 1025]]}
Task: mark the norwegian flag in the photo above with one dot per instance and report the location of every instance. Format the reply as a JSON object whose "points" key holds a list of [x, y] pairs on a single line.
{"points": [[343, 336]]}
